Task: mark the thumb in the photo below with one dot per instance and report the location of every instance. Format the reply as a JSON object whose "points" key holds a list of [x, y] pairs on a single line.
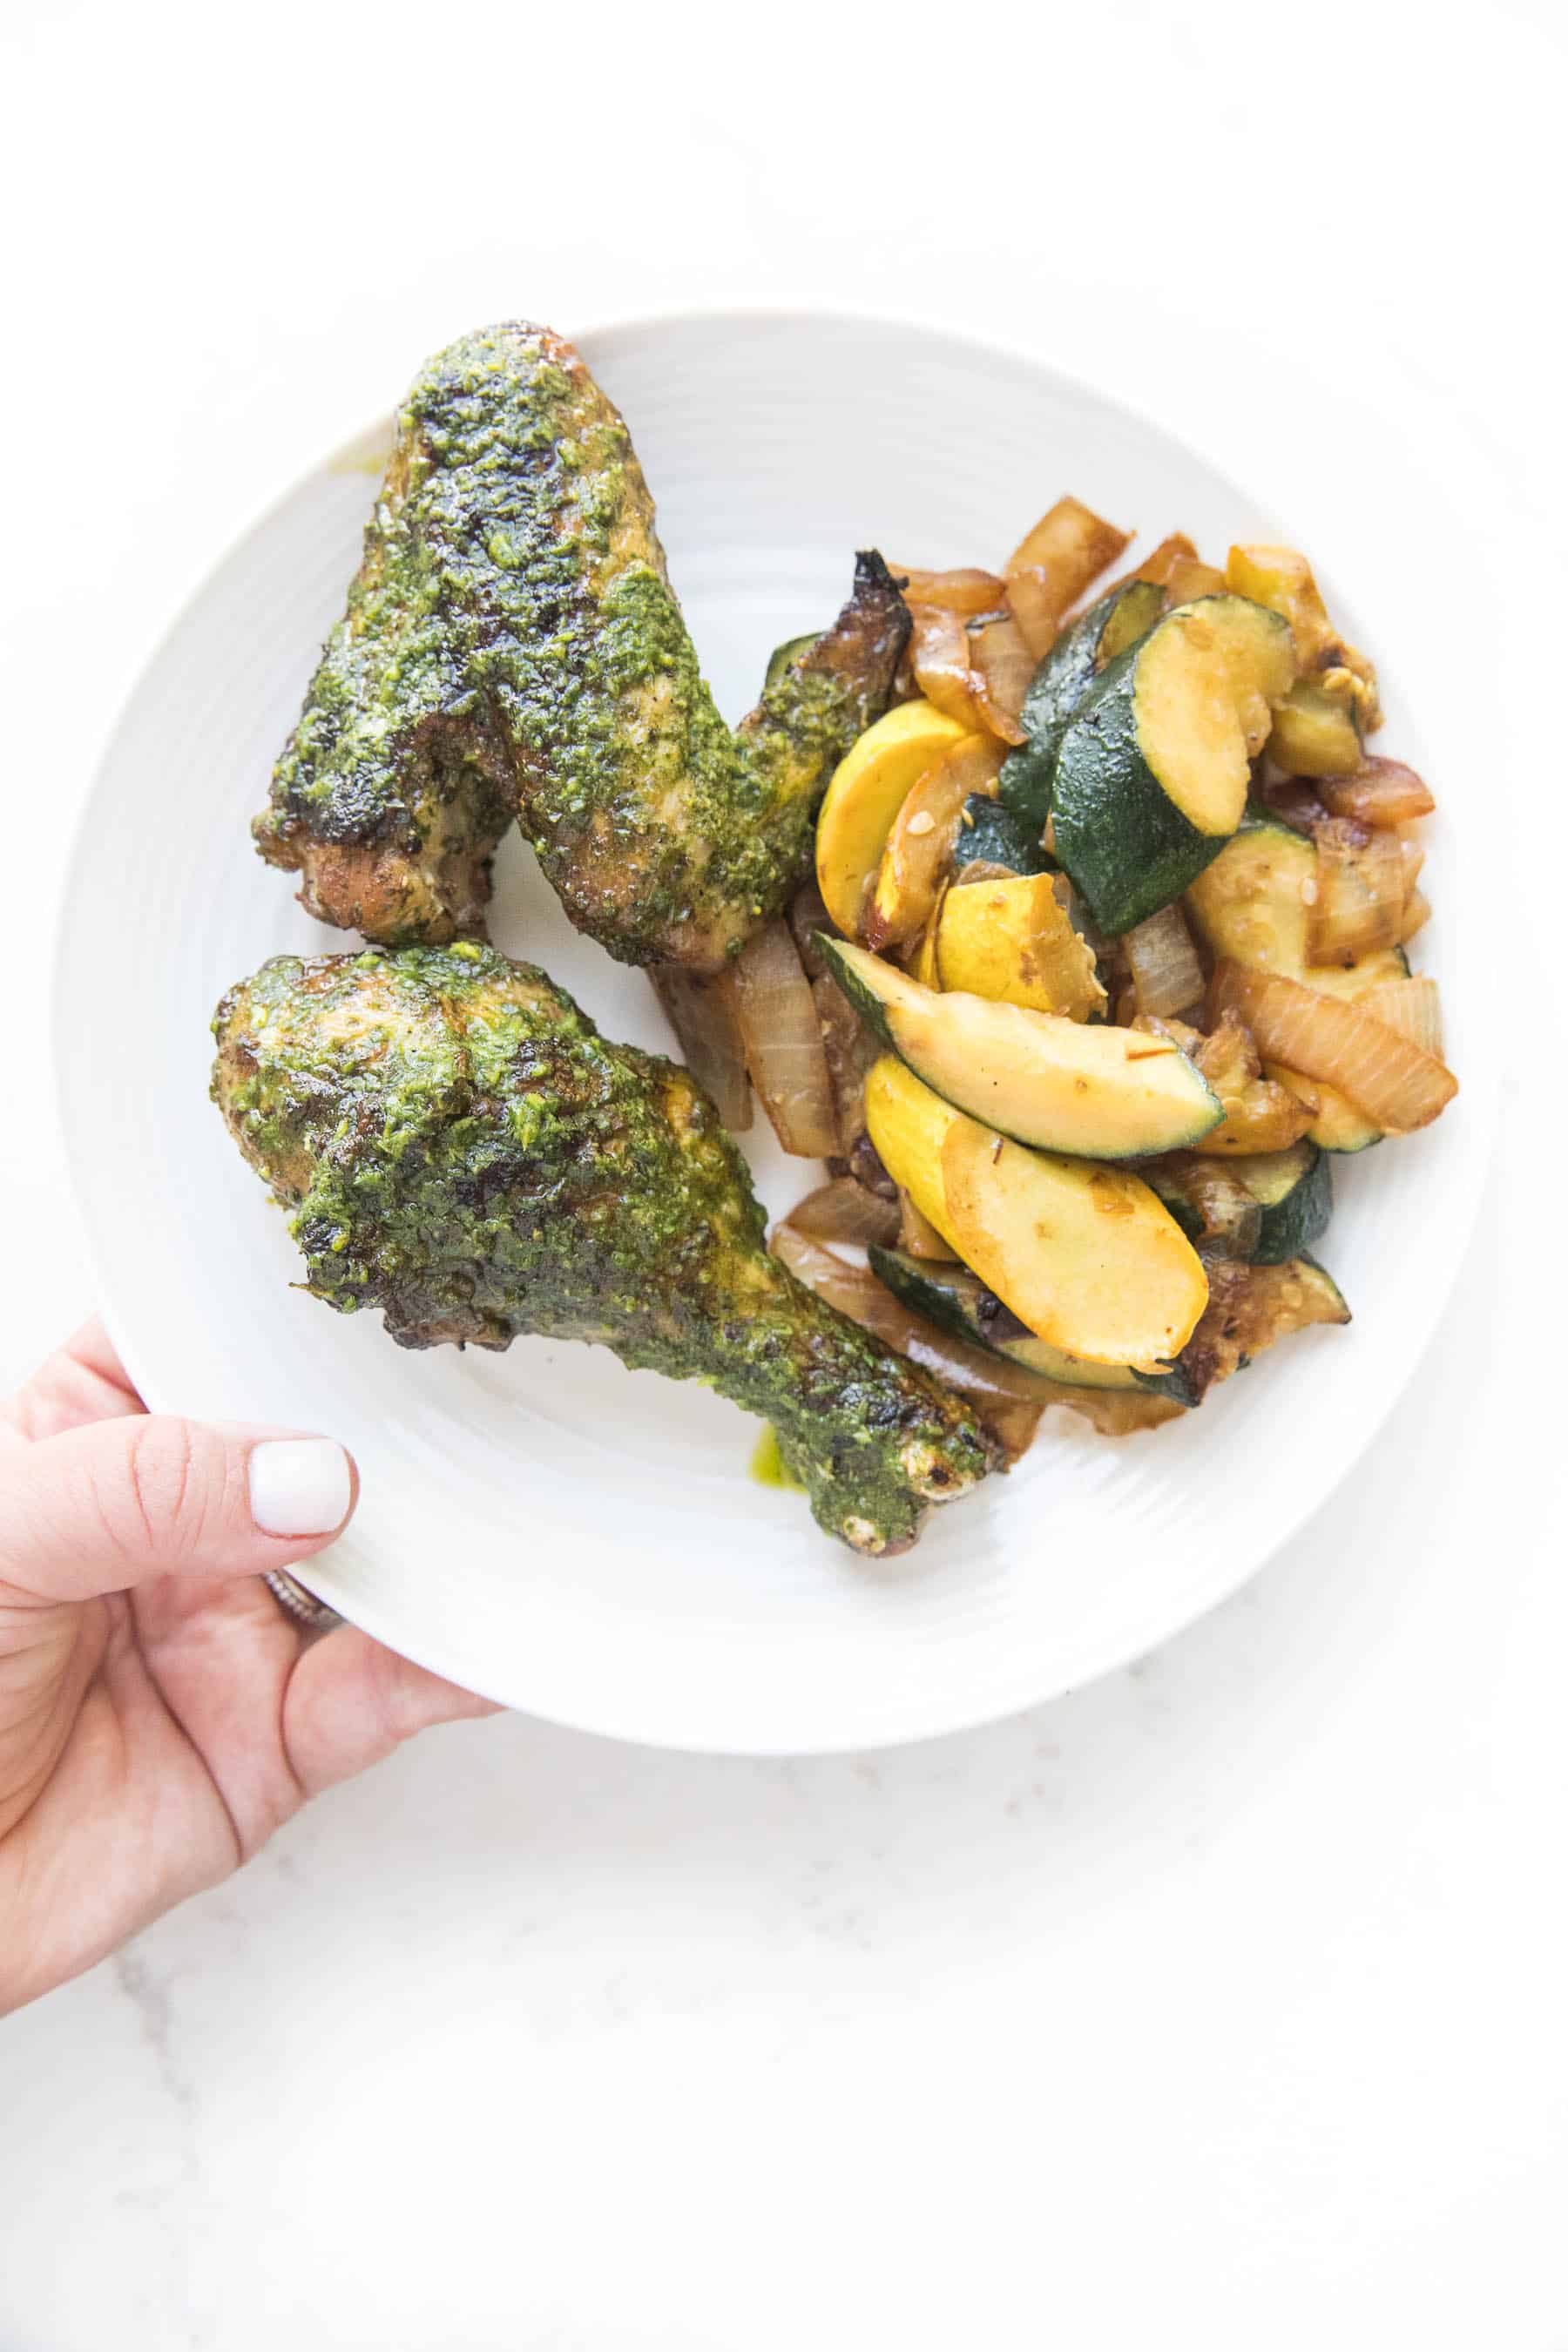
{"points": [[117, 1502]]}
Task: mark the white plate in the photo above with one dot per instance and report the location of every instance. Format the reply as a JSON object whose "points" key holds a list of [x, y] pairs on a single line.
{"points": [[570, 1537]]}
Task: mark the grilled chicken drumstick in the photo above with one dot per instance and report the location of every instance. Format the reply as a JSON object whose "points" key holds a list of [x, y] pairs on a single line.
{"points": [[460, 1149]]}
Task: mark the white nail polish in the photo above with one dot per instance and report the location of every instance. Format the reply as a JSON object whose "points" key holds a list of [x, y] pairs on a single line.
{"points": [[299, 1486]]}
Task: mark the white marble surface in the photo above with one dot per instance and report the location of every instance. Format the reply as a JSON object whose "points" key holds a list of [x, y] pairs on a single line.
{"points": [[1220, 2004]]}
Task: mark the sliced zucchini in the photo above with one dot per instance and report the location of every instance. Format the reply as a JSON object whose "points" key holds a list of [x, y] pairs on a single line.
{"points": [[1254, 906], [1085, 647], [1315, 733], [1085, 1256], [1099, 1092], [869, 786], [1152, 774], [1337, 1124], [782, 656], [1012, 941], [958, 1301], [989, 831], [1252, 903], [1281, 578], [1250, 1307], [1295, 1191]]}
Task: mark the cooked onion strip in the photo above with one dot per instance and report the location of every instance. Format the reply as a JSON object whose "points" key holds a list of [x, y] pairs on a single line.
{"points": [[1013, 1424], [843, 1211], [1162, 562], [1166, 973], [702, 1014], [856, 1292], [918, 1236], [1002, 666], [1230, 1218], [1052, 566], [1413, 1007], [995, 1387], [1362, 893], [1189, 577], [919, 847], [1417, 914], [1382, 792], [939, 655], [1413, 855], [782, 1041], [850, 1049], [967, 590], [808, 917], [1294, 800], [1387, 1075]]}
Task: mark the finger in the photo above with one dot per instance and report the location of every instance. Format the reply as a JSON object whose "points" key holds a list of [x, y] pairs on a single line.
{"points": [[84, 1381], [350, 1701], [102, 1508]]}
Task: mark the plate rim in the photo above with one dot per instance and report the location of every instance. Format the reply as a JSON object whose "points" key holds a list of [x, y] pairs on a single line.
{"points": [[1017, 1690]]}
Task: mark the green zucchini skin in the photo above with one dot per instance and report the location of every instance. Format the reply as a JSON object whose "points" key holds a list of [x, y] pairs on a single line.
{"points": [[1325, 1281], [956, 1300], [1276, 859], [1126, 845], [1301, 1216], [991, 832], [782, 656], [952, 1060], [1059, 686], [1315, 734], [1291, 1219]]}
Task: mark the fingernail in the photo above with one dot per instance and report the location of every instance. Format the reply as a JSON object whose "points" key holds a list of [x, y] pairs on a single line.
{"points": [[299, 1485]]}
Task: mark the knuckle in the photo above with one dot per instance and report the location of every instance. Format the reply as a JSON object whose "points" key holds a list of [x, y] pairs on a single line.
{"points": [[166, 1501]]}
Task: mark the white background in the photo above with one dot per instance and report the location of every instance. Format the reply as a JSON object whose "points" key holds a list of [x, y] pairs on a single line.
{"points": [[1225, 2004]]}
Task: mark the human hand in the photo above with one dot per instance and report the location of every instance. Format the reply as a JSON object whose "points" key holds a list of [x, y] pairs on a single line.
{"points": [[160, 1715]]}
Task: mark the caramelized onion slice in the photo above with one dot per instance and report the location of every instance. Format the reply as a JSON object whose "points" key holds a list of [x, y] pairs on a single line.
{"points": [[1413, 1007], [1166, 973], [918, 852], [702, 1014], [1002, 666], [1230, 1219], [966, 591], [1014, 1425], [1294, 800], [843, 1211], [1362, 892], [782, 1041], [918, 1236], [1417, 914], [1054, 563], [939, 654], [1159, 565], [999, 1391], [808, 920], [1072, 543], [1189, 577], [1393, 1080], [1033, 600], [1381, 792], [856, 1292]]}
